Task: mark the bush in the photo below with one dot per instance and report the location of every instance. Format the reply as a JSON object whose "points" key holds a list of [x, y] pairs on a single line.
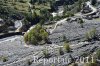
{"points": [[46, 53], [4, 59], [29, 62], [52, 65], [65, 39], [61, 51], [36, 35], [23, 1], [67, 47], [91, 35], [80, 21], [93, 2], [98, 54]]}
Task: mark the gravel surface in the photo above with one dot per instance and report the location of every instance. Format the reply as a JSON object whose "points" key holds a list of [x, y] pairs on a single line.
{"points": [[73, 31], [19, 54]]}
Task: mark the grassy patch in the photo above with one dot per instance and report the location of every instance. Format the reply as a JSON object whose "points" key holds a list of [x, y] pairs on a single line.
{"points": [[24, 6]]}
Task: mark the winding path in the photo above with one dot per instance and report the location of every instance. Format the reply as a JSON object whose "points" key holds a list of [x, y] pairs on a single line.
{"points": [[59, 22], [18, 25], [94, 10], [63, 20]]}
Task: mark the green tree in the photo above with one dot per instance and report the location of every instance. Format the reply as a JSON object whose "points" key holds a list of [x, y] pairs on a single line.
{"points": [[66, 8], [93, 2], [79, 5], [32, 1], [42, 21]]}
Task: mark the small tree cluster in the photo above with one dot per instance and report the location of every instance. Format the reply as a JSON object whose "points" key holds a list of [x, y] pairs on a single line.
{"points": [[36, 35], [91, 34], [93, 2]]}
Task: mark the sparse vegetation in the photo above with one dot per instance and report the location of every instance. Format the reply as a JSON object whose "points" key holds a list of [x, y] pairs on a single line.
{"points": [[91, 35], [25, 37], [37, 14], [67, 47], [4, 59], [93, 2], [90, 64], [46, 53], [98, 54], [80, 21], [29, 62], [52, 65], [61, 51], [74, 64], [65, 39]]}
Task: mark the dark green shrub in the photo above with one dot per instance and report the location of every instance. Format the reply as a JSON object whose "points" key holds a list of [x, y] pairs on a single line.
{"points": [[36, 35], [80, 21], [4, 59], [61, 51], [98, 54], [29, 62]]}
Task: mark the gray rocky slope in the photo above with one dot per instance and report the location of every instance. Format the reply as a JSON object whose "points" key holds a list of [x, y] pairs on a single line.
{"points": [[17, 54]]}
